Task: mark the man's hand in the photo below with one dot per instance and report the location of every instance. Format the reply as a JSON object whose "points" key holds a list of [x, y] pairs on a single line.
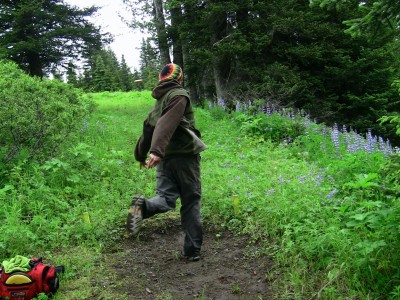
{"points": [[153, 161]]}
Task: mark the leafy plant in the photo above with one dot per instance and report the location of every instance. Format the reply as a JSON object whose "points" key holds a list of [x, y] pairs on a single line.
{"points": [[36, 116], [274, 128], [392, 119], [328, 216]]}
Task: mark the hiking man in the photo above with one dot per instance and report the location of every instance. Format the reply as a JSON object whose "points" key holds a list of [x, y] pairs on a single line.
{"points": [[174, 144]]}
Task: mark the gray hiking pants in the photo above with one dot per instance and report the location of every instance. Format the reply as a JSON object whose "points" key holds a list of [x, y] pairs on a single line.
{"points": [[180, 177]]}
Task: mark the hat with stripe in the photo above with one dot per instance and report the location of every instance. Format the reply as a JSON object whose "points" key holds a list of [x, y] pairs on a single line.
{"points": [[171, 71]]}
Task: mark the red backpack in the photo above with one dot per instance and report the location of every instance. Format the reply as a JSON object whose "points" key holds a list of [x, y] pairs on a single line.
{"points": [[20, 285]]}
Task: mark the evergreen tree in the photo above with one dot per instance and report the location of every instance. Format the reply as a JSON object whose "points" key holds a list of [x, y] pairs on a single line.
{"points": [[42, 34], [71, 74], [126, 76], [105, 73], [376, 18], [149, 64], [100, 80], [287, 53], [85, 81], [112, 69]]}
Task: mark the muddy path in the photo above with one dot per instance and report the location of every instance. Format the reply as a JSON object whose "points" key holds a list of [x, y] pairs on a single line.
{"points": [[149, 267]]}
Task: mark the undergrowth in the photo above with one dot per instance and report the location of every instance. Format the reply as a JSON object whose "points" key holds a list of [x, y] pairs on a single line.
{"points": [[329, 217]]}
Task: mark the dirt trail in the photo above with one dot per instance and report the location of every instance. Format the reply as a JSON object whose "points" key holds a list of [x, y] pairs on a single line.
{"points": [[149, 266]]}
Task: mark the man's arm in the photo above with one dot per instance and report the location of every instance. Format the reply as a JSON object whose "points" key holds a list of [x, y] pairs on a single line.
{"points": [[144, 143]]}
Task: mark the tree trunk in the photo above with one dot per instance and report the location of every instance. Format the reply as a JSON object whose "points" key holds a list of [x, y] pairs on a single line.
{"points": [[159, 21], [221, 63], [190, 79], [34, 64], [177, 52]]}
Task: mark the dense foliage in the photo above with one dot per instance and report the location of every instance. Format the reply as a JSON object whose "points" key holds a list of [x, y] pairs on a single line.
{"points": [[321, 197], [324, 205], [379, 17], [293, 53], [41, 35], [36, 116], [103, 72], [288, 53]]}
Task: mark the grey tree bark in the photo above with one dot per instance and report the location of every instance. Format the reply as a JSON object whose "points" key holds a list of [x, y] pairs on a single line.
{"points": [[159, 21], [177, 52]]}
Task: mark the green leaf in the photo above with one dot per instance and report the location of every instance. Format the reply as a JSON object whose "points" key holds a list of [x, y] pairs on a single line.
{"points": [[368, 247], [7, 187], [360, 217]]}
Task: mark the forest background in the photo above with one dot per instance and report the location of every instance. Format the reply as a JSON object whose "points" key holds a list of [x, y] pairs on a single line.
{"points": [[336, 60], [333, 62]]}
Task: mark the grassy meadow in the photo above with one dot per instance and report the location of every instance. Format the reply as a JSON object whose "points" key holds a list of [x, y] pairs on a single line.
{"points": [[326, 215]]}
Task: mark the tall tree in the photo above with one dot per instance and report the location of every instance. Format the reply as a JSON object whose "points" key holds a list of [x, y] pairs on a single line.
{"points": [[106, 71], [159, 22], [149, 63], [71, 74], [125, 75], [100, 75], [287, 53], [41, 34], [174, 33]]}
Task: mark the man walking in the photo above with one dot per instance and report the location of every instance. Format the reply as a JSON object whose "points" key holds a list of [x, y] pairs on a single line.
{"points": [[174, 144]]}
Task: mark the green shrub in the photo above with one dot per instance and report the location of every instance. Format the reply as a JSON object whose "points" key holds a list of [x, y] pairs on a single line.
{"points": [[36, 115], [275, 127]]}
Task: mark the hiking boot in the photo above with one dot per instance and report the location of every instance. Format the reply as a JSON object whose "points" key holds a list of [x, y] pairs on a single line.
{"points": [[193, 257], [135, 214]]}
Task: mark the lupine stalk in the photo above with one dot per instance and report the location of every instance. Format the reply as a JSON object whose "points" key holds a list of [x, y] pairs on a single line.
{"points": [[335, 137]]}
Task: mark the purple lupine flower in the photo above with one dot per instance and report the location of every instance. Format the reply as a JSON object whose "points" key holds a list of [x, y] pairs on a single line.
{"points": [[85, 125], [352, 141], [270, 192], [359, 141], [269, 110], [385, 146], [307, 123], [319, 177], [335, 136], [389, 148], [370, 142], [238, 106], [302, 179], [331, 194], [382, 146], [348, 140], [221, 102]]}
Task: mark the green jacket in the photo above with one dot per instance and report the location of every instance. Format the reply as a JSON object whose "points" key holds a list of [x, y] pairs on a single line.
{"points": [[169, 128]]}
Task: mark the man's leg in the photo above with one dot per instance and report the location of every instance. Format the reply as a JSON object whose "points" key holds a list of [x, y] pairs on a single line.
{"points": [[167, 192], [188, 174]]}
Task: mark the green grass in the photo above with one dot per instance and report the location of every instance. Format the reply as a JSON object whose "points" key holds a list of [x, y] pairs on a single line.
{"points": [[326, 245]]}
